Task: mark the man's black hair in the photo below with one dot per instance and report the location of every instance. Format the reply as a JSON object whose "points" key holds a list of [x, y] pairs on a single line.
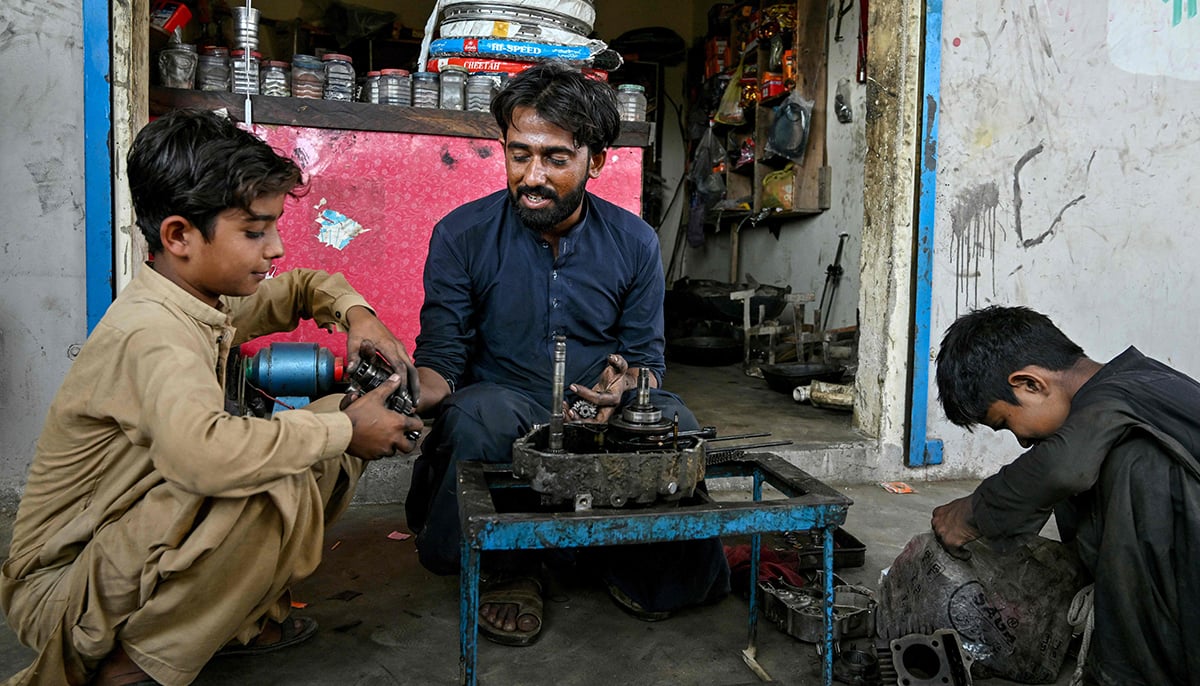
{"points": [[982, 348], [563, 96], [197, 164]]}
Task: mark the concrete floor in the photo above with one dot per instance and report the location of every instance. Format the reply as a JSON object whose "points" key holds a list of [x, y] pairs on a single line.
{"points": [[385, 620]]}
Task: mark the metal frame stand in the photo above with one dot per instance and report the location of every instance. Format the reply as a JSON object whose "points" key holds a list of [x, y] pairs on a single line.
{"points": [[808, 504]]}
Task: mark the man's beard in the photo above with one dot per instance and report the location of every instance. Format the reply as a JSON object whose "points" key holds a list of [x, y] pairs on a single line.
{"points": [[547, 218]]}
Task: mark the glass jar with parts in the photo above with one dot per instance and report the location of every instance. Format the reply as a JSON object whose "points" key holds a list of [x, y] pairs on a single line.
{"points": [[395, 87], [212, 70], [454, 83], [631, 100], [480, 90], [275, 79], [177, 65], [425, 89], [370, 88], [339, 76], [308, 77], [245, 71]]}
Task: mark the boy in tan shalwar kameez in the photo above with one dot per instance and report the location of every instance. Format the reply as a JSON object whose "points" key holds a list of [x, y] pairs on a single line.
{"points": [[156, 529]]}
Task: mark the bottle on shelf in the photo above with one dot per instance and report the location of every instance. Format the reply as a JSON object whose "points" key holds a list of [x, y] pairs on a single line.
{"points": [[631, 100]]}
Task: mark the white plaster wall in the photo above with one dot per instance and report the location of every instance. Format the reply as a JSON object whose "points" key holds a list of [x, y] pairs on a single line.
{"points": [[1093, 108], [42, 313], [805, 248]]}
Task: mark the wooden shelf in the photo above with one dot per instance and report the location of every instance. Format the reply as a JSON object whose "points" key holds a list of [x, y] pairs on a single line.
{"points": [[358, 116], [810, 186]]}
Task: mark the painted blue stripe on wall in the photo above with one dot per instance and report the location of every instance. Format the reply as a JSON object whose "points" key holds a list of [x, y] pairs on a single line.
{"points": [[921, 450], [97, 132]]}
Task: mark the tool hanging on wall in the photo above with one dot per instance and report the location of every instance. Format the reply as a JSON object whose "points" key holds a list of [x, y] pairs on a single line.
{"points": [[862, 41], [844, 7], [833, 274]]}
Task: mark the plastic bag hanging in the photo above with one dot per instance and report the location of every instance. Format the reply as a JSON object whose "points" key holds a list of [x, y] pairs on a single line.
{"points": [[708, 166], [788, 137], [730, 111]]}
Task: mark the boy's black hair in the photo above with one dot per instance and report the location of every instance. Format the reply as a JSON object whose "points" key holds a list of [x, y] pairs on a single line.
{"points": [[197, 164], [563, 96], [982, 348]]}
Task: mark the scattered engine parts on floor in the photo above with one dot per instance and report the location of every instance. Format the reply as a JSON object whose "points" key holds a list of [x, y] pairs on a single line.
{"points": [[798, 611], [937, 659]]}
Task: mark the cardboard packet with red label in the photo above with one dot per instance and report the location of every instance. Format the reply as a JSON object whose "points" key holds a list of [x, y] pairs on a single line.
{"points": [[167, 15]]}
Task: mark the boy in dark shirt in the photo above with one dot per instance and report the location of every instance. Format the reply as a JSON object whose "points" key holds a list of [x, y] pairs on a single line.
{"points": [[1111, 450]]}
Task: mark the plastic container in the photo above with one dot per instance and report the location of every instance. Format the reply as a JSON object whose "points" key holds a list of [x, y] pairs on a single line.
{"points": [[308, 77], [212, 70], [177, 65], [426, 89], [275, 79], [480, 90], [245, 76], [454, 83], [395, 87], [631, 100], [370, 88], [339, 76]]}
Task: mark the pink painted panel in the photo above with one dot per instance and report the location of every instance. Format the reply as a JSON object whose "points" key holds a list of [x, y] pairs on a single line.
{"points": [[396, 186]]}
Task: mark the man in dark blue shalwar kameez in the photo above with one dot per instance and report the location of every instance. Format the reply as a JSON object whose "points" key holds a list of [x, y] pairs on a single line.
{"points": [[505, 275]]}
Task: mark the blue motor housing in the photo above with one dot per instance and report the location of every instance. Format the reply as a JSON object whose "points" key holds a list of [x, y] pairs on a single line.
{"points": [[294, 369]]}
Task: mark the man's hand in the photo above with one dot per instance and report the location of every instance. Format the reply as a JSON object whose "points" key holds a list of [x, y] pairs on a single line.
{"points": [[954, 525], [616, 378], [378, 431], [368, 336]]}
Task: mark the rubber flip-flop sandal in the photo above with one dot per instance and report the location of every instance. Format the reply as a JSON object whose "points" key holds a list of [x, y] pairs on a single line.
{"points": [[526, 594], [292, 630], [631, 606]]}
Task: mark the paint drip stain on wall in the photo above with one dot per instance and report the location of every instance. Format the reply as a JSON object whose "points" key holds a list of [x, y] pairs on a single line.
{"points": [[337, 230], [973, 225]]}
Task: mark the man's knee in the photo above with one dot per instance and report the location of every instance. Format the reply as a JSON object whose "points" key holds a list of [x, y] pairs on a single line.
{"points": [[481, 421]]}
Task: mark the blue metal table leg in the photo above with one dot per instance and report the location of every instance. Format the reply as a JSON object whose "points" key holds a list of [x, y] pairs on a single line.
{"points": [[750, 654], [468, 611], [755, 550], [827, 666]]}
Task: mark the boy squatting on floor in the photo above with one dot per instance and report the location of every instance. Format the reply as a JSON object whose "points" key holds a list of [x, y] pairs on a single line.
{"points": [[157, 530], [1111, 450]]}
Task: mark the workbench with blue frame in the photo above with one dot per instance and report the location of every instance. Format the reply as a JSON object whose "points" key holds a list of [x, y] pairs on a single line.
{"points": [[808, 504]]}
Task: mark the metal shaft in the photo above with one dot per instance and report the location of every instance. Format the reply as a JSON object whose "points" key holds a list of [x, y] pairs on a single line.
{"points": [[643, 397], [555, 444]]}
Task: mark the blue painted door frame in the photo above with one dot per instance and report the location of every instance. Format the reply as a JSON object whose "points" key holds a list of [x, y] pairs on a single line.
{"points": [[97, 136], [922, 450]]}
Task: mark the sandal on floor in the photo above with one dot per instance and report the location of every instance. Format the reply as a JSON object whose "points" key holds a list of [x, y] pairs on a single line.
{"points": [[526, 594], [292, 630], [631, 606]]}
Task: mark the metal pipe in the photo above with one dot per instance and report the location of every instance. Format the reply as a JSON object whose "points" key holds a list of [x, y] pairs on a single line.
{"points": [[555, 444], [733, 437]]}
